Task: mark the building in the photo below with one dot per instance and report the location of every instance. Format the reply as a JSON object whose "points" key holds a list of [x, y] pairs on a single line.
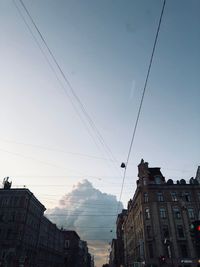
{"points": [[117, 256], [75, 250], [113, 254], [71, 248], [29, 239], [84, 256], [120, 238], [51, 245], [20, 219], [156, 227]]}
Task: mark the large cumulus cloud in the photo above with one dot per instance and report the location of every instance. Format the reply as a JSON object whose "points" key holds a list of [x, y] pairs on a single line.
{"points": [[91, 213]]}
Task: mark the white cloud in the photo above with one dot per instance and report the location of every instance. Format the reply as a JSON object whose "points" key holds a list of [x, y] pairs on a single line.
{"points": [[91, 213]]}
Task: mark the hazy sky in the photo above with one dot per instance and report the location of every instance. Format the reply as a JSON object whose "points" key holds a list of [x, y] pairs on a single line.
{"points": [[103, 48]]}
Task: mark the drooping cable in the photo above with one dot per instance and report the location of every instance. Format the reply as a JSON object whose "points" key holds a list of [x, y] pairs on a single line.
{"points": [[141, 103], [55, 73], [81, 105]]}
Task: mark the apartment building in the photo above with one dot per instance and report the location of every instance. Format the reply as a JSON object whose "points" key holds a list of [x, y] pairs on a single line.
{"points": [[156, 228]]}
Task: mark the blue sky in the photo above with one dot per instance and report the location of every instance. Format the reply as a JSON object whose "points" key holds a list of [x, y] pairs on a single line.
{"points": [[104, 49]]}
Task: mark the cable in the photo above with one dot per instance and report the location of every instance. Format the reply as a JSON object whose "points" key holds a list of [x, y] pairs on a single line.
{"points": [[57, 185], [37, 160], [76, 202], [141, 103], [77, 153], [81, 105], [55, 73], [78, 214], [91, 227], [55, 149]]}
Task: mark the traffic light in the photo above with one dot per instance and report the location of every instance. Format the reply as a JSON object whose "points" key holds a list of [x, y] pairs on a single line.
{"points": [[162, 259], [195, 230], [195, 234]]}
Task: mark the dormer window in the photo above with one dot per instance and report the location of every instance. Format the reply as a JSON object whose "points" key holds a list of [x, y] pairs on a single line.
{"points": [[158, 179]]}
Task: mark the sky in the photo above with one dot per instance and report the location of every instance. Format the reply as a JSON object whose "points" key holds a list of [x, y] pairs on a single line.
{"points": [[104, 48]]}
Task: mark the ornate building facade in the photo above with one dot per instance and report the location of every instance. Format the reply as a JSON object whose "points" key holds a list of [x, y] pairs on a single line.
{"points": [[156, 229], [29, 239]]}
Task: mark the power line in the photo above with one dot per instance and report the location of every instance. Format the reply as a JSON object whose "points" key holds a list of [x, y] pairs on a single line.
{"points": [[37, 160], [141, 102], [73, 194], [59, 185], [81, 155], [89, 208], [55, 149], [78, 214], [100, 239], [98, 203], [55, 73], [92, 227], [81, 105]]}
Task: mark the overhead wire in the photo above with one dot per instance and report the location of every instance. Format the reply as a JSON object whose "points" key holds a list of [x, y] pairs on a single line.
{"points": [[82, 215], [90, 121], [55, 73], [92, 227], [58, 185], [81, 154], [141, 103], [74, 94], [97, 204], [38, 160], [54, 149]]}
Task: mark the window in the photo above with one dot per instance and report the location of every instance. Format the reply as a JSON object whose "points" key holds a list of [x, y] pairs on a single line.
{"points": [[160, 196], [12, 216], [187, 197], [177, 213], [184, 250], [3, 254], [180, 231], [149, 232], [1, 217], [147, 213], [16, 200], [162, 213], [174, 196], [5, 201], [165, 231], [158, 179], [66, 243], [9, 233], [146, 199], [191, 213], [150, 245], [22, 201]]}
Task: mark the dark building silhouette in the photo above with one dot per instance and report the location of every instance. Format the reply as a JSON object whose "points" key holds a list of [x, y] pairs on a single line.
{"points": [[75, 250], [28, 238], [117, 246], [156, 229]]}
